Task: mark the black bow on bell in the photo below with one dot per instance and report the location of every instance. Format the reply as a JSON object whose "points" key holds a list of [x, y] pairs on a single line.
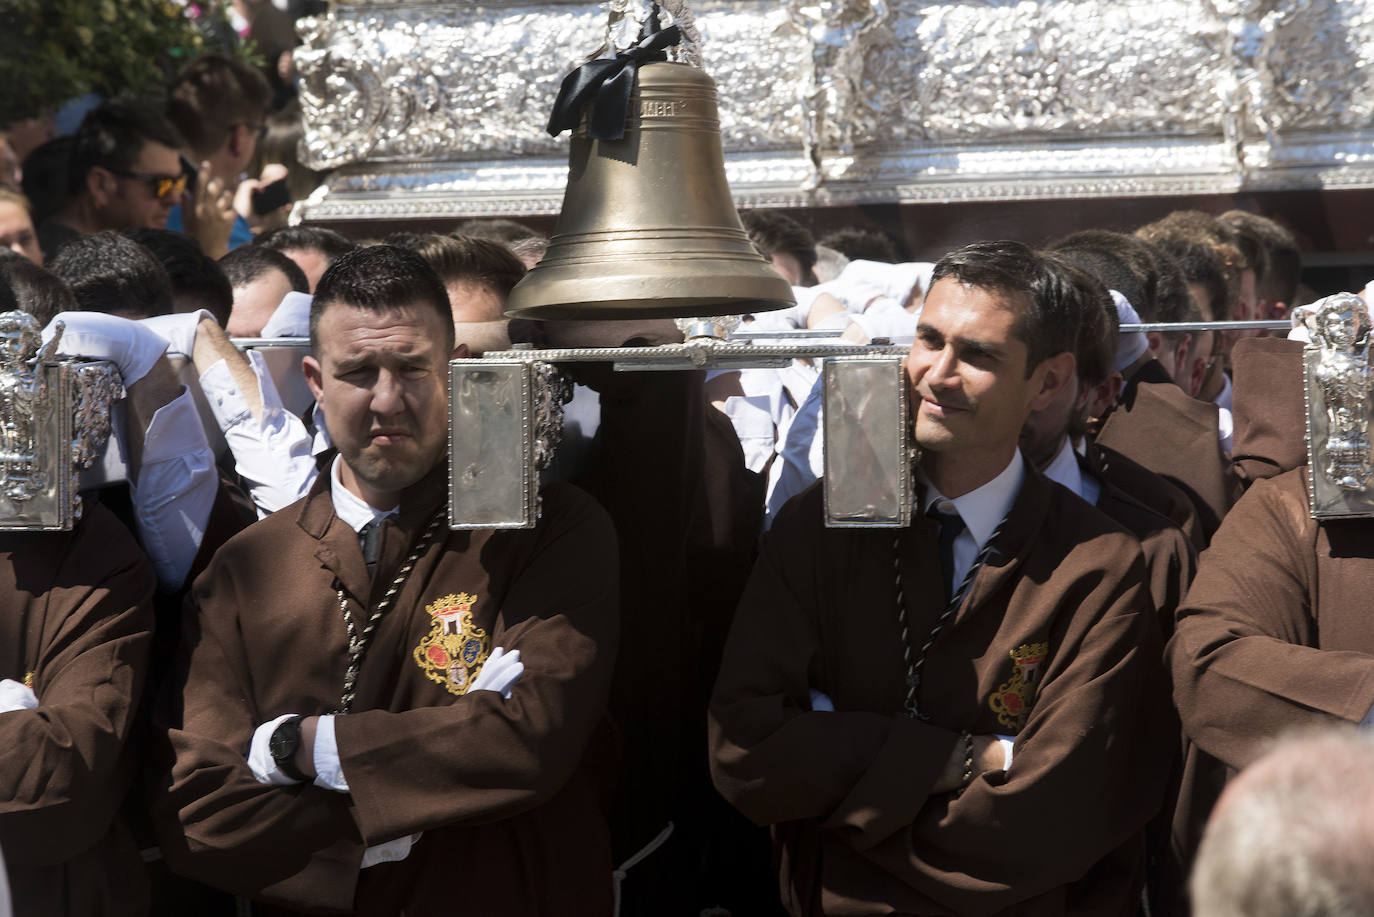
{"points": [[606, 83]]}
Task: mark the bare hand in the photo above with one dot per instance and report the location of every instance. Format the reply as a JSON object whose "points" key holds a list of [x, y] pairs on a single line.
{"points": [[211, 216]]}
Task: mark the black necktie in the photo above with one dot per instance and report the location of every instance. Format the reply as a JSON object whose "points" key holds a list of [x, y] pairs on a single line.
{"points": [[372, 546], [951, 524]]}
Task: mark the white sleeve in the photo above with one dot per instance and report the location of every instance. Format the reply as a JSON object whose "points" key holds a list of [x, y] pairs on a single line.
{"points": [[1007, 743], [798, 456], [328, 769], [176, 489], [271, 454], [260, 760]]}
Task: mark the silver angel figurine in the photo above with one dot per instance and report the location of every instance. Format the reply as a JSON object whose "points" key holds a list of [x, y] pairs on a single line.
{"points": [[23, 399], [1340, 326]]}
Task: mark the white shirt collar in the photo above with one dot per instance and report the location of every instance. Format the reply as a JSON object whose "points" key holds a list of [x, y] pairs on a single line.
{"points": [[1223, 398], [354, 511], [1064, 469], [984, 508]]}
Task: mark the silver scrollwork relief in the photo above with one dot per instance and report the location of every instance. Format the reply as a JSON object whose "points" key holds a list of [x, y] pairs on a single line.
{"points": [[432, 110]]}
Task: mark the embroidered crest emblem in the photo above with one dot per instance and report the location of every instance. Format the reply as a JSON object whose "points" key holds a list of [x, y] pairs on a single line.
{"points": [[1013, 698], [453, 651]]}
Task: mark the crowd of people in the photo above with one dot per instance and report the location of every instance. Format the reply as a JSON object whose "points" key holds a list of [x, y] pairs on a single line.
{"points": [[263, 675]]}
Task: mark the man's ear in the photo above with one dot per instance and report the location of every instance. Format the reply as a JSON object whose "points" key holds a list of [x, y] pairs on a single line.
{"points": [[1154, 340], [100, 183], [1055, 374], [314, 377], [460, 352], [1102, 396]]}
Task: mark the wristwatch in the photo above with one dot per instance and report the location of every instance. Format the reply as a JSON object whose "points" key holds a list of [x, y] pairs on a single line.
{"points": [[284, 743]]}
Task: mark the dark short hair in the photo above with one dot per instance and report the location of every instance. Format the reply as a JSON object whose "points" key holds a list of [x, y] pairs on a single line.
{"points": [[248, 263], [45, 177], [862, 245], [112, 135], [210, 95], [1116, 251], [498, 230], [1207, 252], [109, 272], [468, 258], [328, 242], [1095, 350], [379, 278], [1054, 304], [1280, 280], [36, 290], [773, 232], [198, 282]]}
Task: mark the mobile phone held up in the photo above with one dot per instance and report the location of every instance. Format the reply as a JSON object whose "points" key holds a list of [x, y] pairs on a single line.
{"points": [[270, 197]]}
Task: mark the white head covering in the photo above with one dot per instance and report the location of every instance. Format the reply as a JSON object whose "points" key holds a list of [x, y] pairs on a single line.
{"points": [[291, 319], [1131, 345]]}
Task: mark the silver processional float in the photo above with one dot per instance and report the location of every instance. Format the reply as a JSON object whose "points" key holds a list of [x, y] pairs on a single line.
{"points": [[645, 127]]}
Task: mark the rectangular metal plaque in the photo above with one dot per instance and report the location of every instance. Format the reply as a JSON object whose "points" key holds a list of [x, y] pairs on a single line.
{"points": [[36, 492], [492, 478], [868, 473], [1344, 456]]}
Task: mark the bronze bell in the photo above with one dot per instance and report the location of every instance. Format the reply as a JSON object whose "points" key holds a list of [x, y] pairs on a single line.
{"points": [[648, 228]]}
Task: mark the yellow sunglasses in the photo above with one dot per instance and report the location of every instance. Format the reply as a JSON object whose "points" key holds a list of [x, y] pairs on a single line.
{"points": [[162, 185]]}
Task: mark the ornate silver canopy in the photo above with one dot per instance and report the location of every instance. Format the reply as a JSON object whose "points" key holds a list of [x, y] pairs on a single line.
{"points": [[437, 110]]}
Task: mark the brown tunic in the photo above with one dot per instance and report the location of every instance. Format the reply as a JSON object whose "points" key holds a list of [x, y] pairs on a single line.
{"points": [[511, 824], [1170, 558], [1274, 634], [1270, 407], [78, 616], [1176, 436], [1147, 487], [857, 828]]}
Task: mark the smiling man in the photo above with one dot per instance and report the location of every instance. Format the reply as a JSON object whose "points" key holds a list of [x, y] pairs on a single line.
{"points": [[965, 716], [372, 707]]}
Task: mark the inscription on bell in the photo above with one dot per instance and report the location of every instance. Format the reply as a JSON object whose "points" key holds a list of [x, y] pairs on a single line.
{"points": [[661, 108]]}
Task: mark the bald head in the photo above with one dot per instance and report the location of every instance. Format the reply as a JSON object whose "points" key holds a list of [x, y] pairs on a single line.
{"points": [[1293, 835]]}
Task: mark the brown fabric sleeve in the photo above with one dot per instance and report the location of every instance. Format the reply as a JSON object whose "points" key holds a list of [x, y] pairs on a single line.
{"points": [[771, 756], [66, 767], [1243, 658], [484, 757], [1088, 772], [215, 822]]}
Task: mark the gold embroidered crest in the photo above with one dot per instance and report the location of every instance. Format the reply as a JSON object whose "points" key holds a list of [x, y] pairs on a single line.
{"points": [[453, 651], [1013, 698]]}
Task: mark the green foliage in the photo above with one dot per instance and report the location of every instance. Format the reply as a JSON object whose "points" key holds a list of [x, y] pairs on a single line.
{"points": [[52, 50]]}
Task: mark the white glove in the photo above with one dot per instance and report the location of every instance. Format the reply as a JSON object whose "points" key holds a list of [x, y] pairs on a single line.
{"points": [[499, 673], [132, 347], [16, 695], [391, 851], [821, 703], [260, 760], [291, 319], [178, 329]]}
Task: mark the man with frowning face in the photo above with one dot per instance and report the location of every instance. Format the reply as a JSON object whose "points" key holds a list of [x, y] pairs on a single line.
{"points": [[898, 704], [416, 693]]}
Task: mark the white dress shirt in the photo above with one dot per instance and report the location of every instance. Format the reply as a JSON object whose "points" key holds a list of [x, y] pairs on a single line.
{"points": [[1066, 471], [176, 489], [982, 510]]}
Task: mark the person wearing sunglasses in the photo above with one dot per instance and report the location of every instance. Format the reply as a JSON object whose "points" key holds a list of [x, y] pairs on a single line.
{"points": [[125, 169], [219, 105]]}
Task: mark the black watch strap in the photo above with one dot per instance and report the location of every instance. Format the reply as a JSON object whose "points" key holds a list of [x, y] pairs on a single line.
{"points": [[284, 743]]}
